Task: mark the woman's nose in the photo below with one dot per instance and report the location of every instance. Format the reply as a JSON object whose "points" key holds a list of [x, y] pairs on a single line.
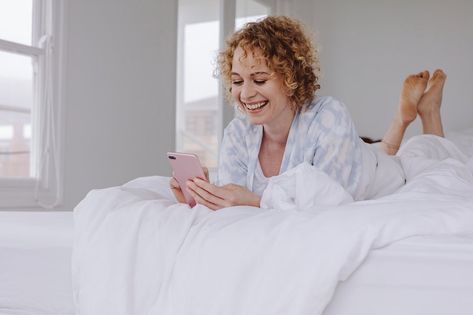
{"points": [[247, 92]]}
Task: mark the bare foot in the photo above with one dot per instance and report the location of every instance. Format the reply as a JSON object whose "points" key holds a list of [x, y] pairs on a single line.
{"points": [[432, 98], [429, 105], [411, 93]]}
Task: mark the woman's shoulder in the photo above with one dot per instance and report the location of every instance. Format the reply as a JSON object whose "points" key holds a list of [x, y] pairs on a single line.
{"points": [[323, 103], [237, 137], [324, 107], [238, 126]]}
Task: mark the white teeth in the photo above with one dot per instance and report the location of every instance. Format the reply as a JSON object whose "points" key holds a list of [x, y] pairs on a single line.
{"points": [[255, 106]]}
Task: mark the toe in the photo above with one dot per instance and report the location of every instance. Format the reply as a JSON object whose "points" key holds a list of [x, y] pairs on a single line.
{"points": [[425, 74], [438, 74]]}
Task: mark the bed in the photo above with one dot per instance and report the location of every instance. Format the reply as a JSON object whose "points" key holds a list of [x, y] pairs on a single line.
{"points": [[409, 275], [418, 275], [35, 258], [421, 273]]}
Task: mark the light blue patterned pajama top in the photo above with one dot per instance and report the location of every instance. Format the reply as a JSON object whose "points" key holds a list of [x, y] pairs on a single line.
{"points": [[323, 135]]}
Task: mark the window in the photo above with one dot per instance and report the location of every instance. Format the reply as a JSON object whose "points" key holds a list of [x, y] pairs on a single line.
{"points": [[29, 99], [197, 90], [201, 113], [249, 11]]}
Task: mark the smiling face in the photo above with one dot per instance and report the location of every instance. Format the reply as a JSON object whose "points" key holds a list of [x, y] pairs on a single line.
{"points": [[258, 91]]}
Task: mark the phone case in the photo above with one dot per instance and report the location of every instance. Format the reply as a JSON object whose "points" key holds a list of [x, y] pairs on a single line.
{"points": [[185, 166]]}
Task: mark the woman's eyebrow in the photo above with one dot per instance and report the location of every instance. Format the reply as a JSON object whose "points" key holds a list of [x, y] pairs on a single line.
{"points": [[252, 74], [260, 72]]}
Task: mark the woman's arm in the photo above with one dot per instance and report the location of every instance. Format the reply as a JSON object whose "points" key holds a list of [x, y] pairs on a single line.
{"points": [[233, 155], [230, 188], [338, 147]]}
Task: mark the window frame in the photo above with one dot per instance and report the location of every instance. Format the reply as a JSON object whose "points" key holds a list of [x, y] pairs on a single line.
{"points": [[45, 190]]}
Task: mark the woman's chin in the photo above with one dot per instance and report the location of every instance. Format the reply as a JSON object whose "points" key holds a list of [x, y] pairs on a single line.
{"points": [[255, 117], [255, 120]]}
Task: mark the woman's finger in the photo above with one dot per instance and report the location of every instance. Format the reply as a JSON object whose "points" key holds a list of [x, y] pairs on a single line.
{"points": [[212, 189], [176, 190], [174, 184], [205, 194], [201, 201], [206, 173]]}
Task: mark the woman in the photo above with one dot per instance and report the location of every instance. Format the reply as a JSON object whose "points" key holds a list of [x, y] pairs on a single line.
{"points": [[271, 70]]}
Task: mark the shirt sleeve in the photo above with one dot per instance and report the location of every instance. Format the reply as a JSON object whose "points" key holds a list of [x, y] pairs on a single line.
{"points": [[233, 158], [337, 151]]}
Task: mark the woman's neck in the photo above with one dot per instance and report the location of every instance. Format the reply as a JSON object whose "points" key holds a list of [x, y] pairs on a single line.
{"points": [[278, 130]]}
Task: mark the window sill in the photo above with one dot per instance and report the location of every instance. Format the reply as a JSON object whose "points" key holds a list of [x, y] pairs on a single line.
{"points": [[23, 193]]}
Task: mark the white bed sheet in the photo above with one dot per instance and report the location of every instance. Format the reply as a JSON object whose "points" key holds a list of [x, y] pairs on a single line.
{"points": [[35, 258], [419, 275], [255, 261]]}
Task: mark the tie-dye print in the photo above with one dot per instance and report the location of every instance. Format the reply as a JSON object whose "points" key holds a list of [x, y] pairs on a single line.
{"points": [[323, 135]]}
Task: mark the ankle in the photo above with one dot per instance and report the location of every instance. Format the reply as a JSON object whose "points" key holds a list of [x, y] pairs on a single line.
{"points": [[389, 148], [432, 123], [401, 122], [430, 115]]}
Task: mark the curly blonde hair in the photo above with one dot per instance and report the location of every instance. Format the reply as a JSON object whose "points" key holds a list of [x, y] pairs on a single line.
{"points": [[288, 51]]}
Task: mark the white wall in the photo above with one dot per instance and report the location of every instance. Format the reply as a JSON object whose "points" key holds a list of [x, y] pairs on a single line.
{"points": [[120, 80], [367, 47], [120, 92]]}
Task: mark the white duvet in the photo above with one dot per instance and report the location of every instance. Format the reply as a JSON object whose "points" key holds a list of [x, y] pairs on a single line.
{"points": [[137, 252]]}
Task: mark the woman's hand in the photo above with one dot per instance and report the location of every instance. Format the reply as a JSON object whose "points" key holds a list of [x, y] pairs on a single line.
{"points": [[215, 197], [176, 189]]}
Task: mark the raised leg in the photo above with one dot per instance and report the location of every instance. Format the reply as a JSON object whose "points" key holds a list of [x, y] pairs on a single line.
{"points": [[411, 93], [429, 105]]}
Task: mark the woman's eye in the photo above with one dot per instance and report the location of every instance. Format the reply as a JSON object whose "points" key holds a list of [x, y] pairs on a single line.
{"points": [[237, 82], [260, 82]]}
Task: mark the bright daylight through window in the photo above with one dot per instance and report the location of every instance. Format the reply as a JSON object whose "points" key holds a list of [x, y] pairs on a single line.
{"points": [[16, 88], [199, 118], [29, 85]]}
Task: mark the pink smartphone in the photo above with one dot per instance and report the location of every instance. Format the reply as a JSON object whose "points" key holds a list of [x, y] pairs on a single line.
{"points": [[185, 166]]}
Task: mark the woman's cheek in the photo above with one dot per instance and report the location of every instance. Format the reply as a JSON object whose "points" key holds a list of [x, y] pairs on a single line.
{"points": [[236, 93], [236, 97]]}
